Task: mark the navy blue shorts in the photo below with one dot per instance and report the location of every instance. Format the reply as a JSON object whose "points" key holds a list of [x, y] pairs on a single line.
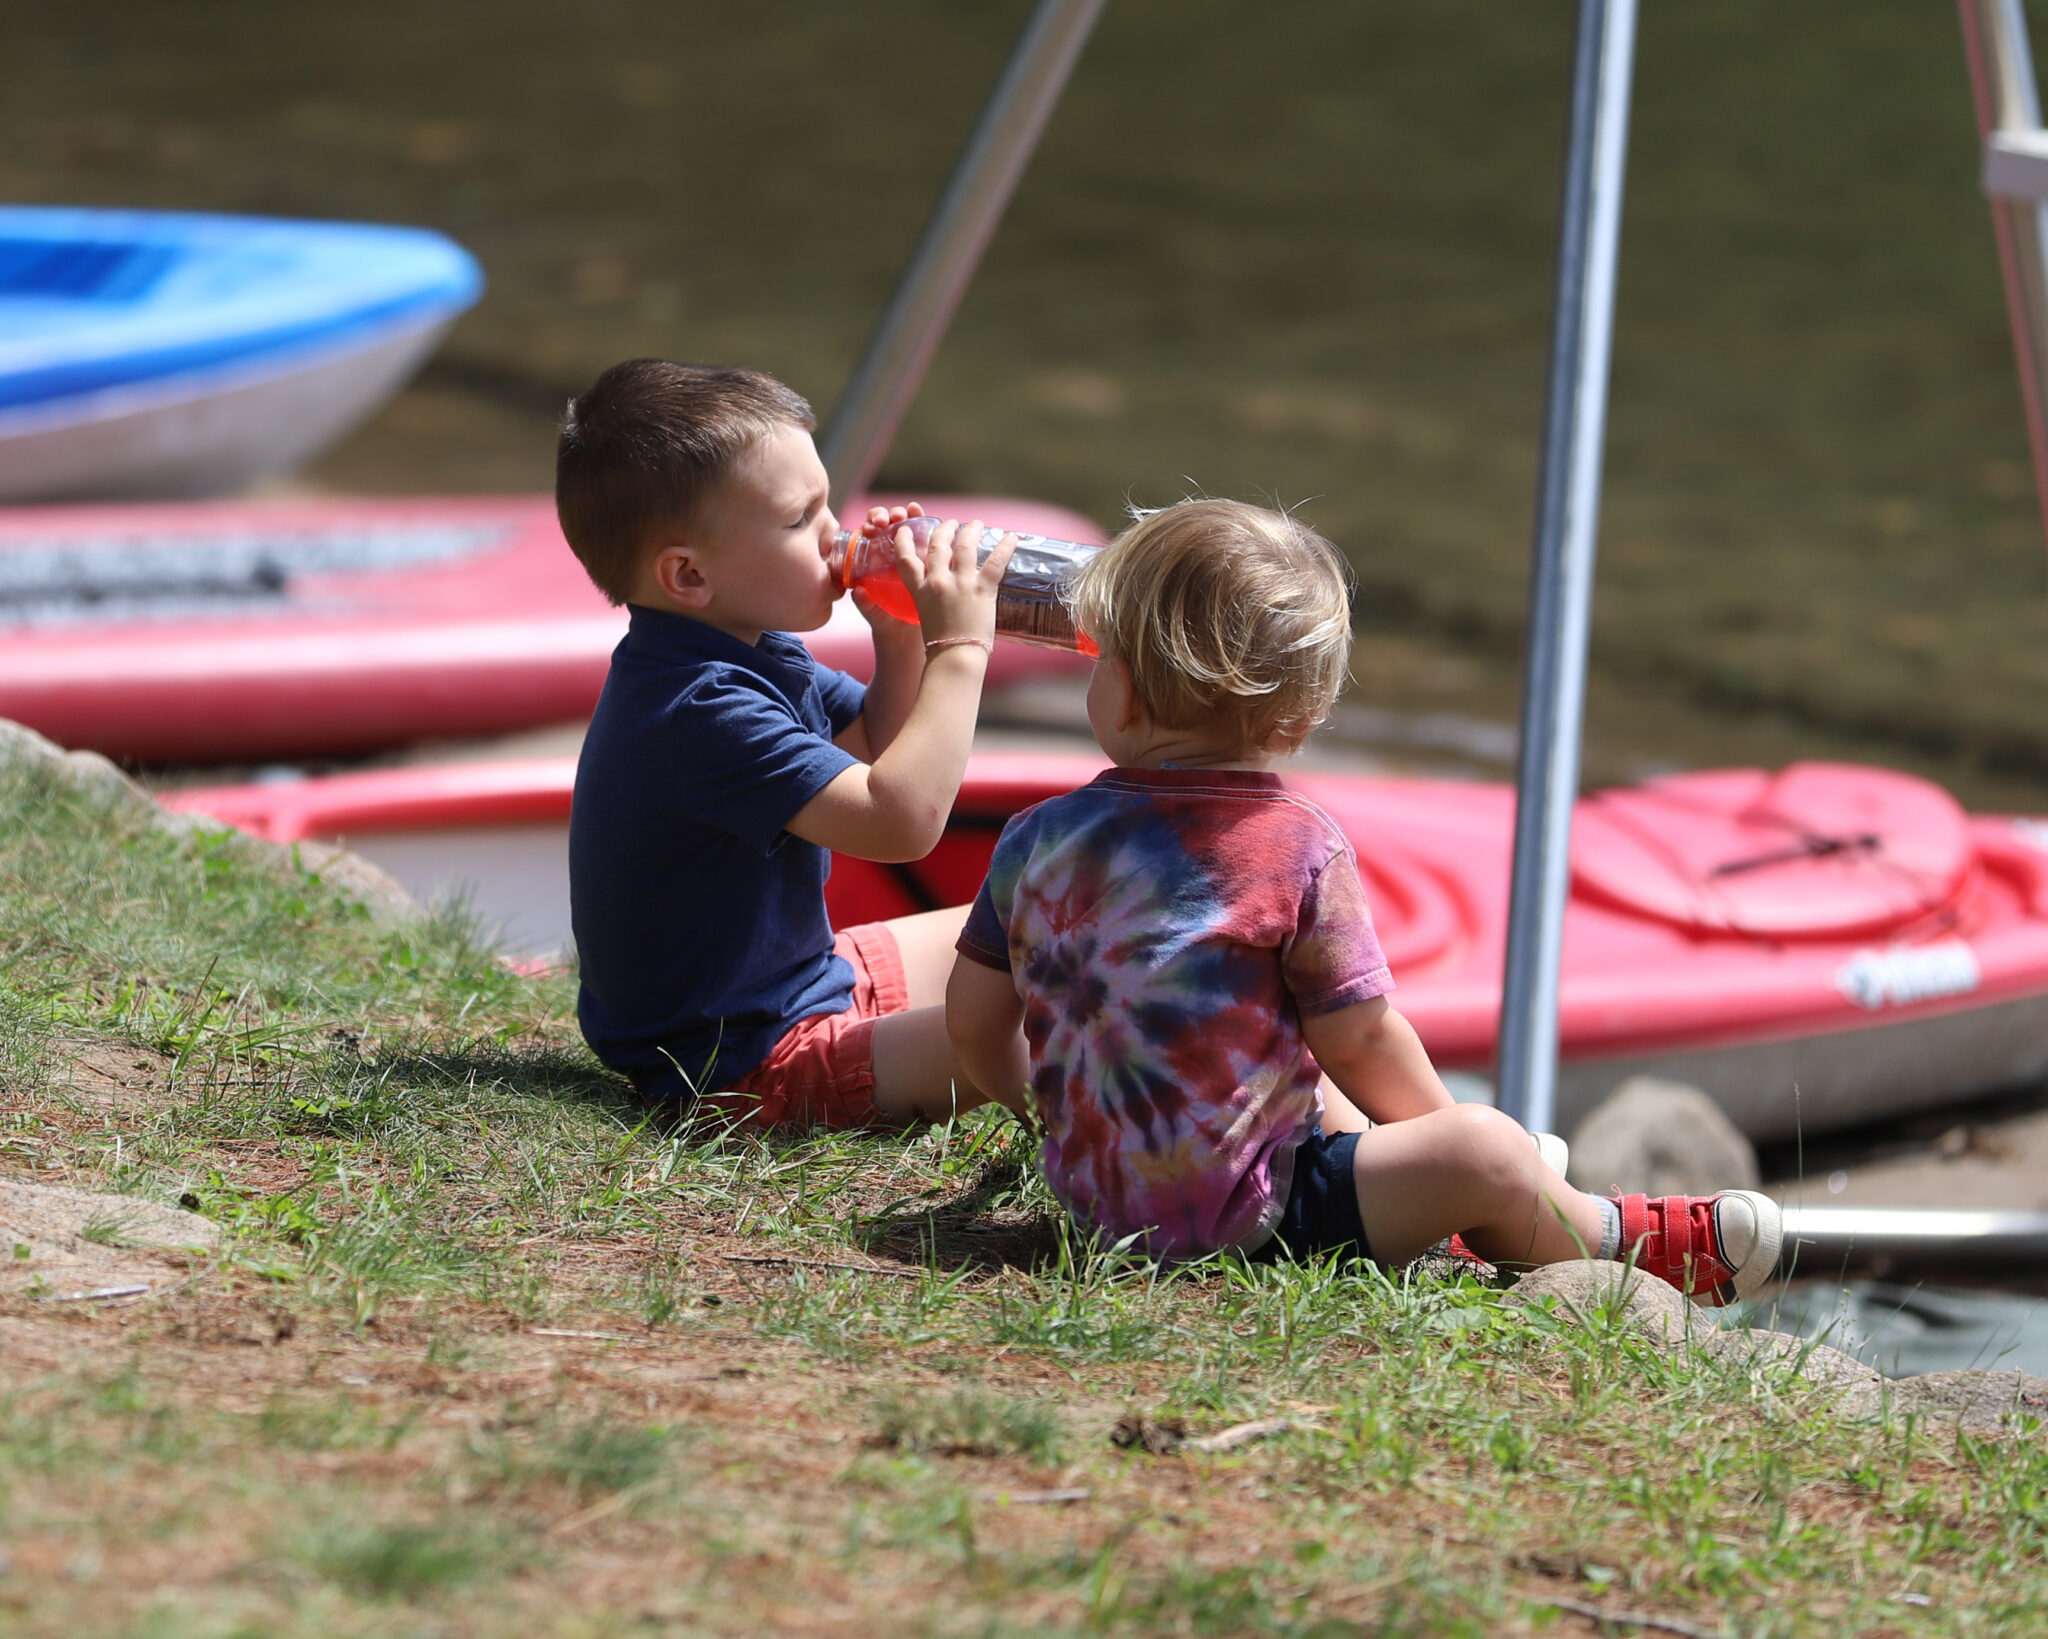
{"points": [[1321, 1215]]}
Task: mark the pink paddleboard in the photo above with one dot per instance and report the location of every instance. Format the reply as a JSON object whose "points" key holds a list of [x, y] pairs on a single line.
{"points": [[244, 631]]}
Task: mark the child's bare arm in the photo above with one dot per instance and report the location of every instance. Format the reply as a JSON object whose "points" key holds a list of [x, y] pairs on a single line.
{"points": [[895, 808], [1376, 1059], [892, 690], [985, 1018]]}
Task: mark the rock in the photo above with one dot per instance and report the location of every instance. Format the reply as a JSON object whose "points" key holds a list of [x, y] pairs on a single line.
{"points": [[390, 905], [93, 776], [25, 745], [1655, 1137], [57, 1242], [1977, 1402], [386, 896], [189, 827], [1762, 1353], [1593, 1292], [84, 771]]}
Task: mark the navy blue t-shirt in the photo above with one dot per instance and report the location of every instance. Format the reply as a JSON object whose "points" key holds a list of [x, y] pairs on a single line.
{"points": [[700, 922]]}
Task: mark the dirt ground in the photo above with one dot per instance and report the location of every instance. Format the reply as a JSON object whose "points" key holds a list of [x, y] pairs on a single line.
{"points": [[194, 1451], [765, 1422]]}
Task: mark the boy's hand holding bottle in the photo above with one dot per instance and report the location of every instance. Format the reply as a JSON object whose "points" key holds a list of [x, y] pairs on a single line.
{"points": [[952, 585], [1035, 574], [918, 721]]}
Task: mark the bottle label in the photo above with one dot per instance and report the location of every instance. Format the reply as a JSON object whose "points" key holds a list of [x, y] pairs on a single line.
{"points": [[1031, 605]]}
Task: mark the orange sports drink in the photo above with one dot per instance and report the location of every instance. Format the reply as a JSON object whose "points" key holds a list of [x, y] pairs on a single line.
{"points": [[1031, 603]]}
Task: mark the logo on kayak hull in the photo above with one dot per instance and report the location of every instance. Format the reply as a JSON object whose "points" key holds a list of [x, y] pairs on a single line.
{"points": [[2033, 832], [1874, 979]]}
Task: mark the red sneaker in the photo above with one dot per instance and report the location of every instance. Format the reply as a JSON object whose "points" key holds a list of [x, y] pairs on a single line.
{"points": [[1713, 1248]]}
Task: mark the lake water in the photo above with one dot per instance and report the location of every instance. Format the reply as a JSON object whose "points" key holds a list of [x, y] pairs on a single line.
{"points": [[1905, 1330], [1297, 251]]}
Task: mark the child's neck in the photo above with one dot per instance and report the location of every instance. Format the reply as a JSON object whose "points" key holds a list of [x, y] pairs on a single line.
{"points": [[1186, 751], [749, 635]]}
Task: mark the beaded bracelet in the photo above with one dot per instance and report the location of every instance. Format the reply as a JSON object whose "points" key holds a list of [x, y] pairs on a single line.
{"points": [[981, 643]]}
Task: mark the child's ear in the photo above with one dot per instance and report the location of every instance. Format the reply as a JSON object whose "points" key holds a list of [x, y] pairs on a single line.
{"points": [[1132, 708], [678, 574]]}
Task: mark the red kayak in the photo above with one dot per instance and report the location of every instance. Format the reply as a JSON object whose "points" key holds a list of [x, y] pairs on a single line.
{"points": [[242, 631], [1817, 948]]}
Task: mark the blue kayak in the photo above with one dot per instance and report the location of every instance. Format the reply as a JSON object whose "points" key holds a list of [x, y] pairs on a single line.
{"points": [[147, 353]]}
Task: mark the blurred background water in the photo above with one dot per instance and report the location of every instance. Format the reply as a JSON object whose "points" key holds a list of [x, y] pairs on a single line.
{"points": [[1301, 252], [1904, 1330]]}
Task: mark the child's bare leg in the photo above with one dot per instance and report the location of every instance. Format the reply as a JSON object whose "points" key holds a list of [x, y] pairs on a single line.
{"points": [[1469, 1171], [916, 1078], [915, 1074], [925, 942]]}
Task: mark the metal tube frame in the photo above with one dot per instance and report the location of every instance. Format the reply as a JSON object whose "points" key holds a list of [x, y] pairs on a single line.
{"points": [[898, 353], [2002, 85], [1561, 575]]}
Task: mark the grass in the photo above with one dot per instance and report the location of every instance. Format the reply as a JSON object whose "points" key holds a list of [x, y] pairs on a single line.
{"points": [[969, 1422], [488, 1350], [105, 1229], [399, 1562], [588, 1458]]}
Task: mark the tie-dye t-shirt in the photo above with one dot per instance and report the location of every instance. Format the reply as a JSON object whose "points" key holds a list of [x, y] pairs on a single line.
{"points": [[1167, 929]]}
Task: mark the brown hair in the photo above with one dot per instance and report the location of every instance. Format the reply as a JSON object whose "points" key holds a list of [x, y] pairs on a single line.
{"points": [[641, 447], [1223, 611]]}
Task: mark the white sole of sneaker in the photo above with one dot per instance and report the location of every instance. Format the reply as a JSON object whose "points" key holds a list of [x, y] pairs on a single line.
{"points": [[1764, 1231]]}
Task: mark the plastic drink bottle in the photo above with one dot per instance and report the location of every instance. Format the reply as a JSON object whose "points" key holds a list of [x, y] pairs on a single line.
{"points": [[1031, 604]]}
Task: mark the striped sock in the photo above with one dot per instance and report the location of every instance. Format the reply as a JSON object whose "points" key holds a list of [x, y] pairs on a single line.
{"points": [[1610, 1227]]}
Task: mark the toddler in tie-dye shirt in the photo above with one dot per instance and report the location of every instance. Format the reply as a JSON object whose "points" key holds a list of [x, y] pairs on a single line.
{"points": [[1206, 1040]]}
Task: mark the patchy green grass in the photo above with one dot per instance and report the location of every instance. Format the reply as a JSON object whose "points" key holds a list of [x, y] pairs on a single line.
{"points": [[591, 1457], [968, 1422], [400, 1562], [488, 1350]]}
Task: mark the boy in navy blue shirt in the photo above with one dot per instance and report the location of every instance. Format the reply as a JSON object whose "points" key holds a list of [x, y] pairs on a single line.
{"points": [[723, 763]]}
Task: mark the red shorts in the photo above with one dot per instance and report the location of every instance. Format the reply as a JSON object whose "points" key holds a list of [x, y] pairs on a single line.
{"points": [[822, 1072]]}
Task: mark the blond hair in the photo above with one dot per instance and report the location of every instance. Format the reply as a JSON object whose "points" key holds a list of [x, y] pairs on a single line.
{"points": [[1223, 610]]}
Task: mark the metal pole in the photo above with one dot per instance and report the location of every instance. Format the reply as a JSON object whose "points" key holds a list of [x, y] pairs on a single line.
{"points": [[2009, 120], [901, 348], [1561, 579]]}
